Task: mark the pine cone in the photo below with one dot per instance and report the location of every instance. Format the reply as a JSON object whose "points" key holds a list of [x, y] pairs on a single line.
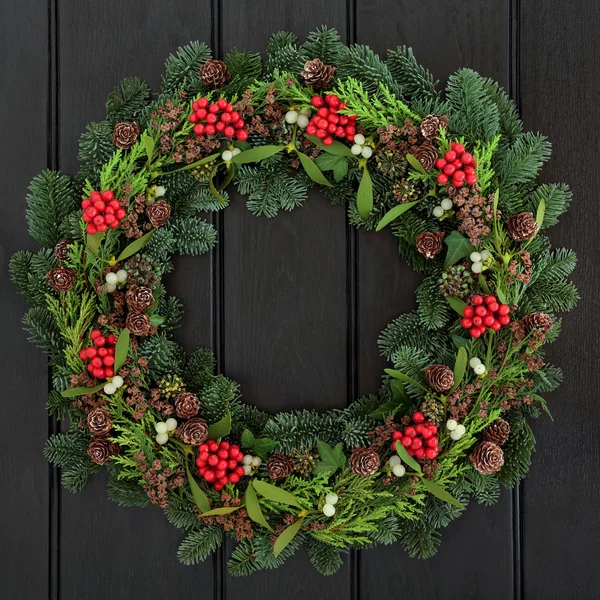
{"points": [[61, 279], [364, 461], [125, 135], [138, 324], [187, 405], [193, 432], [439, 377], [487, 458], [522, 226], [317, 74], [158, 213], [99, 421], [61, 250], [279, 466], [101, 449], [496, 432], [537, 321], [430, 126], [139, 298], [214, 74], [429, 243], [426, 154]]}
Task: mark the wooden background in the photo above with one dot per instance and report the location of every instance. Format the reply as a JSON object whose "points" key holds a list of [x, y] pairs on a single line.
{"points": [[295, 304]]}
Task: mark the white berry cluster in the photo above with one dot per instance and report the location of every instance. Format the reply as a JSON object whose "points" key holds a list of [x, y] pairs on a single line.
{"points": [[110, 387], [328, 507], [163, 429], [251, 462], [444, 206], [359, 148], [397, 467], [477, 366], [113, 278], [456, 430], [229, 154], [478, 259], [300, 118]]}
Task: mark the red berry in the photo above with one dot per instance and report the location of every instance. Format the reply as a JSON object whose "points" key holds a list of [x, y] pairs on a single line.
{"points": [[213, 446], [489, 299], [457, 182], [222, 103], [110, 219], [432, 442], [91, 352], [475, 332], [120, 214], [202, 102], [90, 367], [440, 163], [213, 460], [350, 130], [328, 140], [95, 196], [199, 128], [102, 227], [418, 417], [449, 169], [311, 130], [107, 195], [220, 473], [442, 179], [229, 131], [316, 101], [193, 118], [223, 453], [83, 354], [98, 220], [108, 361], [99, 373], [459, 175], [91, 212], [488, 320], [110, 351], [469, 170], [397, 435], [95, 333], [410, 431], [469, 312], [343, 120], [323, 112], [241, 135], [481, 311], [112, 338], [333, 118], [321, 133], [503, 309], [504, 319], [466, 323], [203, 448], [209, 475], [234, 478], [211, 119], [340, 132], [332, 100], [426, 433], [430, 453], [97, 362], [450, 155], [477, 321], [232, 464], [99, 341], [433, 428], [331, 128], [458, 148], [466, 158], [203, 456], [496, 326], [416, 443], [240, 471], [477, 300], [420, 454], [471, 179], [493, 307], [220, 126]]}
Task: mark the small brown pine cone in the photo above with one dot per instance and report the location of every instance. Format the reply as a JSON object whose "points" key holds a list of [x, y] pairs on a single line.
{"points": [[430, 126], [487, 458], [193, 432], [522, 226], [317, 74], [496, 432], [99, 421], [429, 243], [537, 321], [61, 250], [125, 135], [158, 213], [214, 74], [439, 377], [61, 279], [138, 323], [364, 461], [139, 298], [187, 405], [101, 449], [426, 154], [279, 466]]}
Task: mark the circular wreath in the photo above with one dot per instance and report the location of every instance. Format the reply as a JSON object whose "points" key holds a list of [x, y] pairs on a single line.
{"points": [[451, 175]]}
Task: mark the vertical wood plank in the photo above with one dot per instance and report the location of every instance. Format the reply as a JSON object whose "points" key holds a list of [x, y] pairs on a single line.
{"points": [[285, 295], [444, 38], [24, 514], [560, 86], [108, 551]]}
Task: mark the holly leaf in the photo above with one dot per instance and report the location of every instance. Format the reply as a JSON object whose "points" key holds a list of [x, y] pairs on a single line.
{"points": [[261, 446], [458, 247], [253, 508], [333, 162], [394, 213], [121, 349], [331, 458], [136, 246], [199, 496], [439, 492], [286, 536], [312, 170], [272, 492], [220, 428], [256, 154], [364, 197]]}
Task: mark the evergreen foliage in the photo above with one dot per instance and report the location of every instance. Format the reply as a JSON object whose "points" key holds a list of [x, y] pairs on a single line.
{"points": [[199, 544], [182, 68], [128, 102], [415, 81]]}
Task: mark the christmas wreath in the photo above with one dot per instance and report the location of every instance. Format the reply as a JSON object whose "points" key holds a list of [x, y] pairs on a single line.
{"points": [[450, 174]]}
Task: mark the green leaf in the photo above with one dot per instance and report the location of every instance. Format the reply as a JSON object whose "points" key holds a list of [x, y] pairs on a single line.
{"points": [[407, 458], [458, 247], [272, 492], [394, 213], [541, 211], [261, 446], [402, 377], [199, 496], [136, 246], [286, 536], [501, 296], [121, 349], [331, 458], [456, 304], [157, 320], [222, 510], [215, 192], [312, 170], [415, 164], [253, 508], [94, 241], [401, 401], [148, 142], [81, 391], [333, 162], [220, 428], [198, 163], [336, 148], [256, 154], [440, 492], [483, 284], [364, 198], [459, 341], [460, 368]]}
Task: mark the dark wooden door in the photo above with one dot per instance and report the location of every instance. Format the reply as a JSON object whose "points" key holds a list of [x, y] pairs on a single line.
{"points": [[296, 303]]}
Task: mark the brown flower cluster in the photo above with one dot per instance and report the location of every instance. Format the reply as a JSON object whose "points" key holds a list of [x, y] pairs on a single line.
{"points": [[166, 119], [475, 212], [158, 481], [237, 521]]}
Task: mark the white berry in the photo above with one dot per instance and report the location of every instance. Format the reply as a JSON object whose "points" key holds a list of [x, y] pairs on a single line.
{"points": [[485, 255], [394, 460], [247, 460], [160, 191], [474, 362], [399, 470], [110, 388], [438, 212], [329, 510], [302, 121], [235, 151], [227, 155], [112, 278], [461, 430], [367, 152], [455, 435], [359, 139], [256, 461], [171, 424], [161, 438], [121, 275], [291, 116], [475, 257], [446, 204], [247, 469], [306, 111], [331, 499], [476, 267], [160, 427], [356, 149], [117, 381], [479, 369], [451, 424], [111, 287]]}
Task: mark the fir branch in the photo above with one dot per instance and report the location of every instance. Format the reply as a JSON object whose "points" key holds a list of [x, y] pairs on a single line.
{"points": [[199, 544], [182, 69], [128, 101], [415, 81]]}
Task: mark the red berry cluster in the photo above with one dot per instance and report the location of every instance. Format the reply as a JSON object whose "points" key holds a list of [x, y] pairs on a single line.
{"points": [[420, 440], [458, 164], [485, 312], [217, 118], [220, 464], [101, 211], [101, 355], [328, 123]]}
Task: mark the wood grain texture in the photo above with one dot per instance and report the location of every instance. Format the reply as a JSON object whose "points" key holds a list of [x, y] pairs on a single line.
{"points": [[560, 86], [24, 516]]}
